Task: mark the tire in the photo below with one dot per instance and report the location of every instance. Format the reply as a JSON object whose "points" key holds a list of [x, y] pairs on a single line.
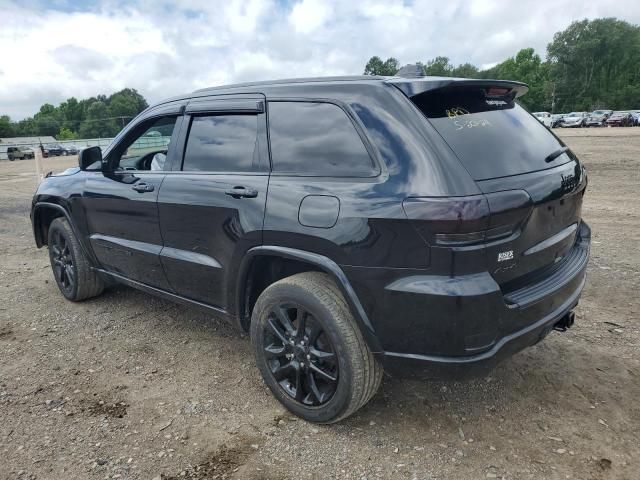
{"points": [[344, 353], [71, 270]]}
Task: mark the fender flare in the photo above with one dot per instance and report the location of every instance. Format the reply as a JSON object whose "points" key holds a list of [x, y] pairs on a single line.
{"points": [[323, 263], [40, 241]]}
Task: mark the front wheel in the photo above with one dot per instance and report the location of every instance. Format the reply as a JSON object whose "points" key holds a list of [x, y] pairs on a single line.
{"points": [[310, 351], [71, 270]]}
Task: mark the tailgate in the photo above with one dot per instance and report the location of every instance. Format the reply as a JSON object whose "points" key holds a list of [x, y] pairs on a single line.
{"points": [[547, 234]]}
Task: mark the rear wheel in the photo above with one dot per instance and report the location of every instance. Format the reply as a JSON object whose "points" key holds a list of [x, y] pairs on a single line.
{"points": [[74, 276], [309, 350]]}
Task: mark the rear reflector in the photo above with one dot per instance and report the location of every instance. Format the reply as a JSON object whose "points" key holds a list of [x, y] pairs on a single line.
{"points": [[468, 220]]}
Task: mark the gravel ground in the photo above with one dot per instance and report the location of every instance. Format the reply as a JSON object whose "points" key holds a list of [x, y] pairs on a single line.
{"points": [[129, 386]]}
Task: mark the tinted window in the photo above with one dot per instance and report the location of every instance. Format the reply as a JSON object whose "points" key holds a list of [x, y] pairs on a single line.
{"points": [[222, 143], [316, 139], [492, 136]]}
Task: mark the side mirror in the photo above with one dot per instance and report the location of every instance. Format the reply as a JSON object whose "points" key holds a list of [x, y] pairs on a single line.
{"points": [[90, 158]]}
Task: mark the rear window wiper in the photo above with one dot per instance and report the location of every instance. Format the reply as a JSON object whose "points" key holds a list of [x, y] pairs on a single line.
{"points": [[552, 156]]}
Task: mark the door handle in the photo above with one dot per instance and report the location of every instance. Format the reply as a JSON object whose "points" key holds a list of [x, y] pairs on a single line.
{"points": [[242, 192], [143, 187]]}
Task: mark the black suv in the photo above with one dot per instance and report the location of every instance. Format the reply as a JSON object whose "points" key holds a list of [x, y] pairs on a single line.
{"points": [[348, 224], [55, 150]]}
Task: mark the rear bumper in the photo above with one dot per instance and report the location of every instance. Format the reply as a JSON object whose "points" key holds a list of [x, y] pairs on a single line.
{"points": [[466, 325], [407, 364]]}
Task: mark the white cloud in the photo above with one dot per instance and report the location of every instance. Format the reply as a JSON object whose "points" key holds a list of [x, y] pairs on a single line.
{"points": [[308, 15], [163, 48]]}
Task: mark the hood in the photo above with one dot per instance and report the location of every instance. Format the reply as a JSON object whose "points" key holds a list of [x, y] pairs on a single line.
{"points": [[64, 173]]}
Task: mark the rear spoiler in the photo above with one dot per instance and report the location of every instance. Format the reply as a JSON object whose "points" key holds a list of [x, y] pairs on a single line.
{"points": [[415, 86]]}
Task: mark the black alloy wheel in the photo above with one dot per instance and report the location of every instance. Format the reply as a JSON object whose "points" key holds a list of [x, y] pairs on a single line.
{"points": [[300, 355], [71, 269], [309, 349], [62, 263]]}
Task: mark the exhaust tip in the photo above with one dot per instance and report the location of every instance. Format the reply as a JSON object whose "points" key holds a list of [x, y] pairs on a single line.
{"points": [[565, 322]]}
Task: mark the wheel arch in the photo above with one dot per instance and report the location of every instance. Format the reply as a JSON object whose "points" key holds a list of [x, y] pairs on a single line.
{"points": [[246, 295], [43, 214]]}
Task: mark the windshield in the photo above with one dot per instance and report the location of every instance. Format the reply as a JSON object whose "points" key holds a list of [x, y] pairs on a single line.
{"points": [[492, 136]]}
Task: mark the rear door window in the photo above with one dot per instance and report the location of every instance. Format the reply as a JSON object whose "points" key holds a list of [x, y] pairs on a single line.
{"points": [[492, 135], [316, 139]]}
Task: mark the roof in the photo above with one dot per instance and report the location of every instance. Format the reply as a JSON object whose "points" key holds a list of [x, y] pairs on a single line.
{"points": [[410, 86], [285, 81]]}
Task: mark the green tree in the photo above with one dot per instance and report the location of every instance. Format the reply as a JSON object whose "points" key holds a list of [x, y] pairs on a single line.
{"points": [[595, 64], [97, 122], [66, 134], [465, 70], [439, 67], [27, 128], [126, 104], [48, 120], [7, 128], [526, 67], [375, 66], [87, 117], [71, 113]]}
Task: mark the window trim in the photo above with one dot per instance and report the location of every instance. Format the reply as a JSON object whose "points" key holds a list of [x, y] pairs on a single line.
{"points": [[376, 169]]}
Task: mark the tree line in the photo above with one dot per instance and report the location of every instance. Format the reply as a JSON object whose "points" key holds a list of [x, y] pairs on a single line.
{"points": [[94, 117], [591, 64]]}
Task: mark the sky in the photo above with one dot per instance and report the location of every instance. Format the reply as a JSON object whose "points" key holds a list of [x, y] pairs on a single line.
{"points": [[52, 50]]}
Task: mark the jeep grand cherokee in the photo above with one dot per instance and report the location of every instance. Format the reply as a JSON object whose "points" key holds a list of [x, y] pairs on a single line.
{"points": [[348, 224]]}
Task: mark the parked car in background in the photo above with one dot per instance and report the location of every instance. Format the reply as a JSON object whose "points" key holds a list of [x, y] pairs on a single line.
{"points": [[574, 120], [620, 119], [277, 225], [556, 118], [636, 118], [598, 118], [19, 153], [544, 118], [55, 150], [71, 149]]}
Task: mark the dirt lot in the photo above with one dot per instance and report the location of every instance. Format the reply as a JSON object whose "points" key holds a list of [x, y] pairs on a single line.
{"points": [[129, 386]]}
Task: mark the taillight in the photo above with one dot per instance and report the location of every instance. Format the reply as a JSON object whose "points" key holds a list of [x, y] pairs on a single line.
{"points": [[469, 220]]}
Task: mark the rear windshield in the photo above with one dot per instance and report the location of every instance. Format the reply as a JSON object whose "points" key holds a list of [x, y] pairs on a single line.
{"points": [[493, 136]]}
